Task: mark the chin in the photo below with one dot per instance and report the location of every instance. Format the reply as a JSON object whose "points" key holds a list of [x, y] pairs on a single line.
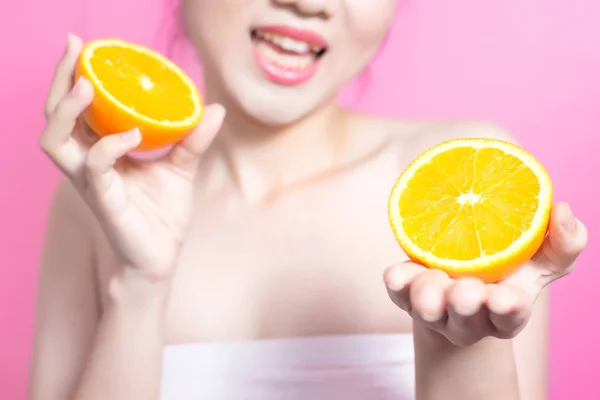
{"points": [[272, 119], [277, 115], [275, 107]]}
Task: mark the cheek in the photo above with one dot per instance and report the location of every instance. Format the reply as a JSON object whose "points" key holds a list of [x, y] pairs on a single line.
{"points": [[216, 26], [202, 15], [369, 22]]}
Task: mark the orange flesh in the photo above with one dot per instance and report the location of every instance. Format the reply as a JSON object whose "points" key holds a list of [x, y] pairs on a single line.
{"points": [[507, 192], [135, 87], [167, 96]]}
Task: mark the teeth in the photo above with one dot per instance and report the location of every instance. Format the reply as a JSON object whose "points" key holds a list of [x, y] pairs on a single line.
{"points": [[289, 44], [292, 45], [285, 61]]}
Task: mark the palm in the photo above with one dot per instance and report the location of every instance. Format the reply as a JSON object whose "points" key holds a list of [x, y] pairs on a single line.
{"points": [[144, 206], [466, 310], [146, 211]]}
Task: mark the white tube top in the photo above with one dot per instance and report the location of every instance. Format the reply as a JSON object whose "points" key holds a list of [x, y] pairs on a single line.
{"points": [[357, 367]]}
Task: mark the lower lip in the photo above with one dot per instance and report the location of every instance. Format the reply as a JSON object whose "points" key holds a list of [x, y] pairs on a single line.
{"points": [[283, 76]]}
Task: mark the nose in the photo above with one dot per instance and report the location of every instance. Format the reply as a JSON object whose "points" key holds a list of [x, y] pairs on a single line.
{"points": [[324, 8]]}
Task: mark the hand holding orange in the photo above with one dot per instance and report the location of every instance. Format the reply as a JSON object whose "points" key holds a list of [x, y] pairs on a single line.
{"points": [[476, 218], [143, 208], [472, 208], [135, 87]]}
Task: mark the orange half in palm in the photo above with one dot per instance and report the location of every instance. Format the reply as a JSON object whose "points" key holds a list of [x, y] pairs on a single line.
{"points": [[472, 207], [135, 87]]}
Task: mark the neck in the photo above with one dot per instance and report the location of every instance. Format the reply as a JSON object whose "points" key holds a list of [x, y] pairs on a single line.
{"points": [[262, 161]]}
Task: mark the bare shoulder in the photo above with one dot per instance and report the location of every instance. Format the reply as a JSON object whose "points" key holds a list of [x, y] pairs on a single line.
{"points": [[443, 130], [413, 136], [427, 133]]}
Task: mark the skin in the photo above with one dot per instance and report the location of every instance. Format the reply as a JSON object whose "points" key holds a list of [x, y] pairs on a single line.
{"points": [[138, 253]]}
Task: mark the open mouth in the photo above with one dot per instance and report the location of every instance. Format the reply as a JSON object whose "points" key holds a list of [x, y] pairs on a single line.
{"points": [[287, 55]]}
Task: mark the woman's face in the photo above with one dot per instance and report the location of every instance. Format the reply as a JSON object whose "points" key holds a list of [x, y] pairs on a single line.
{"points": [[280, 59]]}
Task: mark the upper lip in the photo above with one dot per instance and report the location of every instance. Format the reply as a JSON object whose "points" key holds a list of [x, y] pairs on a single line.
{"points": [[303, 35]]}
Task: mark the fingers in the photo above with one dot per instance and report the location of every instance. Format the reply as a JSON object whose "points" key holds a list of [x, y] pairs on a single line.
{"points": [[509, 309], [68, 151], [63, 74], [567, 237], [56, 139], [186, 154], [101, 158], [428, 295], [85, 134], [398, 279], [463, 310], [466, 298], [468, 316]]}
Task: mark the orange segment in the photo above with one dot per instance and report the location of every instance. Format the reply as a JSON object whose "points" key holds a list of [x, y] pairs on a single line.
{"points": [[472, 207], [135, 87]]}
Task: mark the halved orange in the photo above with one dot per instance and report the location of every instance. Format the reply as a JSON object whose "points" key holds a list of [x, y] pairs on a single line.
{"points": [[136, 87], [472, 207]]}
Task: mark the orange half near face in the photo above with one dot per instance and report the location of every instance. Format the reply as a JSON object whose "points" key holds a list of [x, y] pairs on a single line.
{"points": [[135, 87], [472, 207]]}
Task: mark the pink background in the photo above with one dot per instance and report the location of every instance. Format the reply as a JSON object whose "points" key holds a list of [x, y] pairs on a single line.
{"points": [[530, 65]]}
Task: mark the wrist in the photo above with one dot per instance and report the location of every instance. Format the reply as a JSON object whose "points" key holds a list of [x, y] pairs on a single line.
{"points": [[130, 288], [430, 338], [444, 370]]}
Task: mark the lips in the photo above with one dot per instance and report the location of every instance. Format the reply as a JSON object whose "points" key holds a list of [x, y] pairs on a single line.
{"points": [[301, 35], [288, 56]]}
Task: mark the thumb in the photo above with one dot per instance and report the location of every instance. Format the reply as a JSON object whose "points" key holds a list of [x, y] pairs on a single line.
{"points": [[185, 154], [567, 237]]}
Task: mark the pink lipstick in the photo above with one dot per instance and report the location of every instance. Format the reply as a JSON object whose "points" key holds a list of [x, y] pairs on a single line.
{"points": [[288, 56]]}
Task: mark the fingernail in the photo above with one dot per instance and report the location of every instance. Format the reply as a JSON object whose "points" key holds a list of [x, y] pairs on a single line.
{"points": [[131, 136], [220, 108], [569, 221], [465, 311], [76, 90], [430, 317], [395, 286], [395, 281], [69, 41]]}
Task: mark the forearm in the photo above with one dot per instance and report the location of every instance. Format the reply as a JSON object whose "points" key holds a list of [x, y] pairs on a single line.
{"points": [[483, 371], [126, 360]]}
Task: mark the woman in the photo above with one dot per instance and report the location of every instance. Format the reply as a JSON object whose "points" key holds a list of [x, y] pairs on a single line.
{"points": [[248, 261]]}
